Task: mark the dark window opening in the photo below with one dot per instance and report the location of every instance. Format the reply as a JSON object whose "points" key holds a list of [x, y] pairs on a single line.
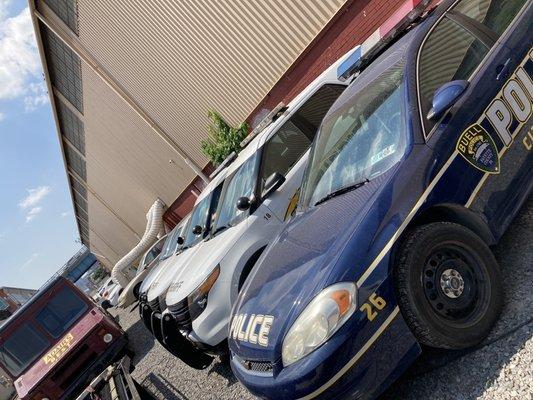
{"points": [[61, 312]]}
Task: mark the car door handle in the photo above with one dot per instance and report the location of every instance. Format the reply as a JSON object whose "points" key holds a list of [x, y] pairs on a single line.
{"points": [[502, 69]]}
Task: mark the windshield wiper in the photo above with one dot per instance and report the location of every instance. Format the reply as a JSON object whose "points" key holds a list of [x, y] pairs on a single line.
{"points": [[220, 229], [343, 190]]}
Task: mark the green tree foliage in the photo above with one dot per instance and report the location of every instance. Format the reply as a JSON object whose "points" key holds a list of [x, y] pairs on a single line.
{"points": [[223, 138], [99, 274]]}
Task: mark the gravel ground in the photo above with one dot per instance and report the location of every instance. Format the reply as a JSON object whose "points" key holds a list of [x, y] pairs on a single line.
{"points": [[501, 368]]}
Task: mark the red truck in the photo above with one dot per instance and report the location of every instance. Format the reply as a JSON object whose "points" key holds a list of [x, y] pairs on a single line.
{"points": [[56, 343]]}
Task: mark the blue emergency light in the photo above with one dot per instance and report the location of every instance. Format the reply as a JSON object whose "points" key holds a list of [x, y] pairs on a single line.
{"points": [[345, 70]]}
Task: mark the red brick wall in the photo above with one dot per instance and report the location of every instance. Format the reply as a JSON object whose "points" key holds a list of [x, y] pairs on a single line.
{"points": [[351, 26]]}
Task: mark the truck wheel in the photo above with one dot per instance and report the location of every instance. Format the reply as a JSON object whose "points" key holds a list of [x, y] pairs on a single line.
{"points": [[136, 290], [106, 304], [448, 285]]}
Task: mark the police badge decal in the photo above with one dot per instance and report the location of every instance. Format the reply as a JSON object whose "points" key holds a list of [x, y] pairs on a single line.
{"points": [[478, 148]]}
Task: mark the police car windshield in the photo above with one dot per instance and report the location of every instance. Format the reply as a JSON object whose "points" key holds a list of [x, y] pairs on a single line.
{"points": [[171, 243], [241, 184], [363, 138], [199, 217]]}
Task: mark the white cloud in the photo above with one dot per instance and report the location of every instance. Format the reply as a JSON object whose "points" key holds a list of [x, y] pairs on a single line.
{"points": [[2, 116], [32, 258], [4, 5], [20, 69], [33, 213], [65, 214], [38, 97], [34, 197]]}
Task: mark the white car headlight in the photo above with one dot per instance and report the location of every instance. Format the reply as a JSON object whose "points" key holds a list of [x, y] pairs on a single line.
{"points": [[326, 313], [197, 300]]}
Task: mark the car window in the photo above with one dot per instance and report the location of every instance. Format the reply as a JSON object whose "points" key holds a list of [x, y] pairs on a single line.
{"points": [[283, 150], [293, 139], [171, 243], [494, 14], [202, 216], [21, 348], [61, 311], [449, 53], [152, 254], [241, 184]]}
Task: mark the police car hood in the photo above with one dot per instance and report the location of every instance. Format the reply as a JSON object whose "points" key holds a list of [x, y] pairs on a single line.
{"points": [[153, 274], [161, 283], [298, 265], [198, 269]]}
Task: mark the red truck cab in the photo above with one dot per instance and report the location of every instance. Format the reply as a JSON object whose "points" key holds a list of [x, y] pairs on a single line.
{"points": [[57, 342]]}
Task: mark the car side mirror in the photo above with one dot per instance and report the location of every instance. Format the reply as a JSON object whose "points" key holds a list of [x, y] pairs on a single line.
{"points": [[445, 97], [197, 230], [243, 203], [180, 240], [272, 184]]}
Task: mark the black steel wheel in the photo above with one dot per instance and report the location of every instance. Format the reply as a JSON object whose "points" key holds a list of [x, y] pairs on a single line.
{"points": [[448, 285]]}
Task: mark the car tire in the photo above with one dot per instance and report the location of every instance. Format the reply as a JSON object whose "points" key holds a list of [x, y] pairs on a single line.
{"points": [[106, 304], [448, 285], [136, 290]]}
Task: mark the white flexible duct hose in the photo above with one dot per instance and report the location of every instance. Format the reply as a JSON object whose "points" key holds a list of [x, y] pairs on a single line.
{"points": [[154, 227]]}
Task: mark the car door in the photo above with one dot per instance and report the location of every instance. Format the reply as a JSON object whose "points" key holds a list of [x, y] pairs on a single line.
{"points": [[510, 111], [462, 47]]}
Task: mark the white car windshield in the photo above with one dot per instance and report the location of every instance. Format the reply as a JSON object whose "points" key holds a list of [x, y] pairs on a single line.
{"points": [[200, 216], [171, 243], [151, 255], [241, 184], [362, 139]]}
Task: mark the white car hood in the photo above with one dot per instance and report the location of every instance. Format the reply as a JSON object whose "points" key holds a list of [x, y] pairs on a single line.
{"points": [[153, 274], [192, 274], [160, 284]]}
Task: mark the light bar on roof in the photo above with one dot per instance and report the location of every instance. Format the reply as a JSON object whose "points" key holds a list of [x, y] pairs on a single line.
{"points": [[408, 12], [348, 63], [271, 117], [228, 160]]}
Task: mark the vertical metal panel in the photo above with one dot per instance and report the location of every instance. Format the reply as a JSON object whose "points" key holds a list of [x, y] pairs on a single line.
{"points": [[180, 59], [126, 165]]}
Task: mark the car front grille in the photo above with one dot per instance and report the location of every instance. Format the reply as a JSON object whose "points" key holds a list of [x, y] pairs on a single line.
{"points": [[154, 305], [257, 366], [180, 312]]}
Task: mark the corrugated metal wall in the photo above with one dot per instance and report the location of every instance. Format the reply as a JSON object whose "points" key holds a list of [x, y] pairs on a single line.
{"points": [[179, 59]]}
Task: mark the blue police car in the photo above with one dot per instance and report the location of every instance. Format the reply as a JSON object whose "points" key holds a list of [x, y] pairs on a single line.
{"points": [[417, 169]]}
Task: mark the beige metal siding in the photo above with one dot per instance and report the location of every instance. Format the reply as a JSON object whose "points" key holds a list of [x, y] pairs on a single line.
{"points": [[180, 58], [127, 165], [177, 60]]}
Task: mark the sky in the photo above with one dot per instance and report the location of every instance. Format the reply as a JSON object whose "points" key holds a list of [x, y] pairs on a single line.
{"points": [[38, 232]]}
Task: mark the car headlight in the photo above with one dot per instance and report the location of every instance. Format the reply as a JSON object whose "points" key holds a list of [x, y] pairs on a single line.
{"points": [[197, 300], [326, 313]]}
